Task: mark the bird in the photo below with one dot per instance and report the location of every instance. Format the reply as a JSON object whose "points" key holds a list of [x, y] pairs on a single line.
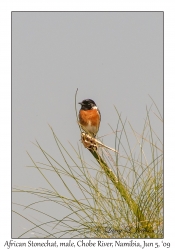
{"points": [[89, 117]]}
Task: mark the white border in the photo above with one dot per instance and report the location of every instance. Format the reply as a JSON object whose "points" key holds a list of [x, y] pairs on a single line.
{"points": [[5, 91]]}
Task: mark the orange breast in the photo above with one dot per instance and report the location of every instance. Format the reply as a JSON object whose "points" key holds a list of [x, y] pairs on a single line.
{"points": [[90, 120]]}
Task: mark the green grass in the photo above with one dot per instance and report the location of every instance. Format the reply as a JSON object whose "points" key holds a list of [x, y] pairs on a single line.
{"points": [[118, 195]]}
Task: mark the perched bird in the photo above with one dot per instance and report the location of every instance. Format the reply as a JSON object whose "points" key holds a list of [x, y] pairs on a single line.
{"points": [[89, 117]]}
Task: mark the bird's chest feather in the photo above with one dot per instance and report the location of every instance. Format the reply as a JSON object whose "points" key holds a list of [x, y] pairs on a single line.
{"points": [[89, 118]]}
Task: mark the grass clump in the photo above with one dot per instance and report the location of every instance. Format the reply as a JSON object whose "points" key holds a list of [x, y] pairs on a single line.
{"points": [[118, 195]]}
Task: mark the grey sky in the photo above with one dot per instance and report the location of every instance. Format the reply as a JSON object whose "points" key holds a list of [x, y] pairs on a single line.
{"points": [[114, 58]]}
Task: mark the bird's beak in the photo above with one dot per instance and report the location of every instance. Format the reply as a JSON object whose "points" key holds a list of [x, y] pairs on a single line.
{"points": [[80, 103]]}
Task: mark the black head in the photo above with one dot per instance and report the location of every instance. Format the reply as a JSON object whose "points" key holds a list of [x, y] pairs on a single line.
{"points": [[87, 104]]}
